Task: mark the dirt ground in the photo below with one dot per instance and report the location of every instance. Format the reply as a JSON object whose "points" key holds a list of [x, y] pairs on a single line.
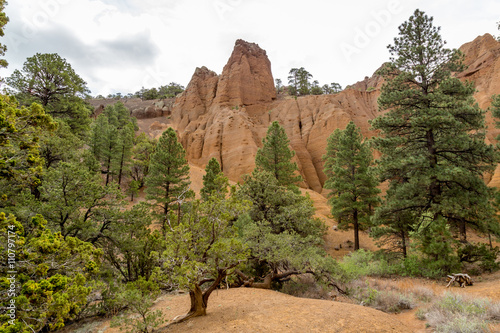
{"points": [[255, 310]]}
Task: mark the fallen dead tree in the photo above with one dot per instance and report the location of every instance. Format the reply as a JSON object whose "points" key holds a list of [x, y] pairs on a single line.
{"points": [[461, 278]]}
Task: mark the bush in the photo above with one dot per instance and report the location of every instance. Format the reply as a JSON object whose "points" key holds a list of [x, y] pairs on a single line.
{"points": [[366, 263], [305, 286], [486, 257], [383, 297], [458, 313], [139, 297]]}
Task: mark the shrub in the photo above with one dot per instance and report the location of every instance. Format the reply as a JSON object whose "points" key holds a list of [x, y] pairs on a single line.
{"points": [[366, 263], [457, 313], [305, 286], [381, 296], [423, 294], [486, 257], [139, 296]]}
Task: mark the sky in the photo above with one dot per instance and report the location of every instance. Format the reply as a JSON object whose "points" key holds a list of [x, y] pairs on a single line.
{"points": [[121, 46]]}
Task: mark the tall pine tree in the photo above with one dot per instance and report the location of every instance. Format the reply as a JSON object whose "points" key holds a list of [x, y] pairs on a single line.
{"points": [[168, 178], [276, 156], [432, 135], [123, 151], [354, 187]]}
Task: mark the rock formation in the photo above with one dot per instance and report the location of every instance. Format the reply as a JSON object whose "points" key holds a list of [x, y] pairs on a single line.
{"points": [[227, 116]]}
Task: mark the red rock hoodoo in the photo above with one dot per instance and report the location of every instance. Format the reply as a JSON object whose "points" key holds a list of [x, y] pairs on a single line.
{"points": [[227, 116]]}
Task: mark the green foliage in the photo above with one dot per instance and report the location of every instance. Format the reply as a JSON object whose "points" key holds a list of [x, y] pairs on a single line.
{"points": [[123, 151], [212, 170], [432, 136], [434, 240], [203, 247], [298, 79], [281, 231], [3, 21], [112, 139], [354, 193], [54, 274], [20, 132], [276, 156], [479, 252], [169, 91], [365, 263], [167, 180], [139, 297], [76, 203], [316, 89], [47, 79], [282, 208], [59, 146], [459, 313], [130, 246], [143, 148], [333, 88], [279, 85]]}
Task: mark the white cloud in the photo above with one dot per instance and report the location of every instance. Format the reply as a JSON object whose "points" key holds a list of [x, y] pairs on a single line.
{"points": [[124, 45]]}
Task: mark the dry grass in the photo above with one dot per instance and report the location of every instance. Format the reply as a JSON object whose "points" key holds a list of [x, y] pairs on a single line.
{"points": [[461, 313]]}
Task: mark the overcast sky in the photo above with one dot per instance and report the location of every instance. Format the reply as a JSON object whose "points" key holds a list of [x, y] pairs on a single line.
{"points": [[121, 46]]}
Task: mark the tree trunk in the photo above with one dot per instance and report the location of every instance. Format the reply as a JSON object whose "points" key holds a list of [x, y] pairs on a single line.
{"points": [[356, 230], [463, 230], [403, 243], [199, 299], [121, 167]]}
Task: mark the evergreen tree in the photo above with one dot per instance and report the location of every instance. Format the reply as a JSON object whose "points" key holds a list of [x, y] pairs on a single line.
{"points": [[354, 193], [276, 156], [104, 143], [432, 136], [3, 21], [212, 170], [47, 78], [167, 181], [123, 151], [143, 148]]}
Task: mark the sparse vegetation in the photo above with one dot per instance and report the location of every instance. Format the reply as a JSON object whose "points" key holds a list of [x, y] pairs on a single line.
{"points": [[458, 313]]}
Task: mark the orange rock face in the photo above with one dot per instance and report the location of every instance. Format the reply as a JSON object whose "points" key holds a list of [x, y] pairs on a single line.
{"points": [[227, 116]]}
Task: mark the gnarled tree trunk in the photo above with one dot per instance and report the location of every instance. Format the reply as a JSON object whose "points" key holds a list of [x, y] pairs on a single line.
{"points": [[199, 298]]}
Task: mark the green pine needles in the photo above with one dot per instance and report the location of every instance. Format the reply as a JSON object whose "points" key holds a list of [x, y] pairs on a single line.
{"points": [[276, 156], [350, 177], [432, 137]]}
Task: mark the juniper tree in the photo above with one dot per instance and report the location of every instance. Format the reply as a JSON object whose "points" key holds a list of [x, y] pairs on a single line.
{"points": [[168, 178], [276, 156], [432, 135], [354, 193]]}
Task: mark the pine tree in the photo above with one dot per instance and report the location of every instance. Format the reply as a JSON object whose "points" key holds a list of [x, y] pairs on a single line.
{"points": [[276, 156], [123, 151], [104, 143], [209, 185], [167, 181], [432, 136], [354, 193]]}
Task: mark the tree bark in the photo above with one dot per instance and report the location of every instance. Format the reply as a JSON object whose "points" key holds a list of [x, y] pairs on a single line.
{"points": [[199, 299], [356, 230], [403, 243], [463, 230]]}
